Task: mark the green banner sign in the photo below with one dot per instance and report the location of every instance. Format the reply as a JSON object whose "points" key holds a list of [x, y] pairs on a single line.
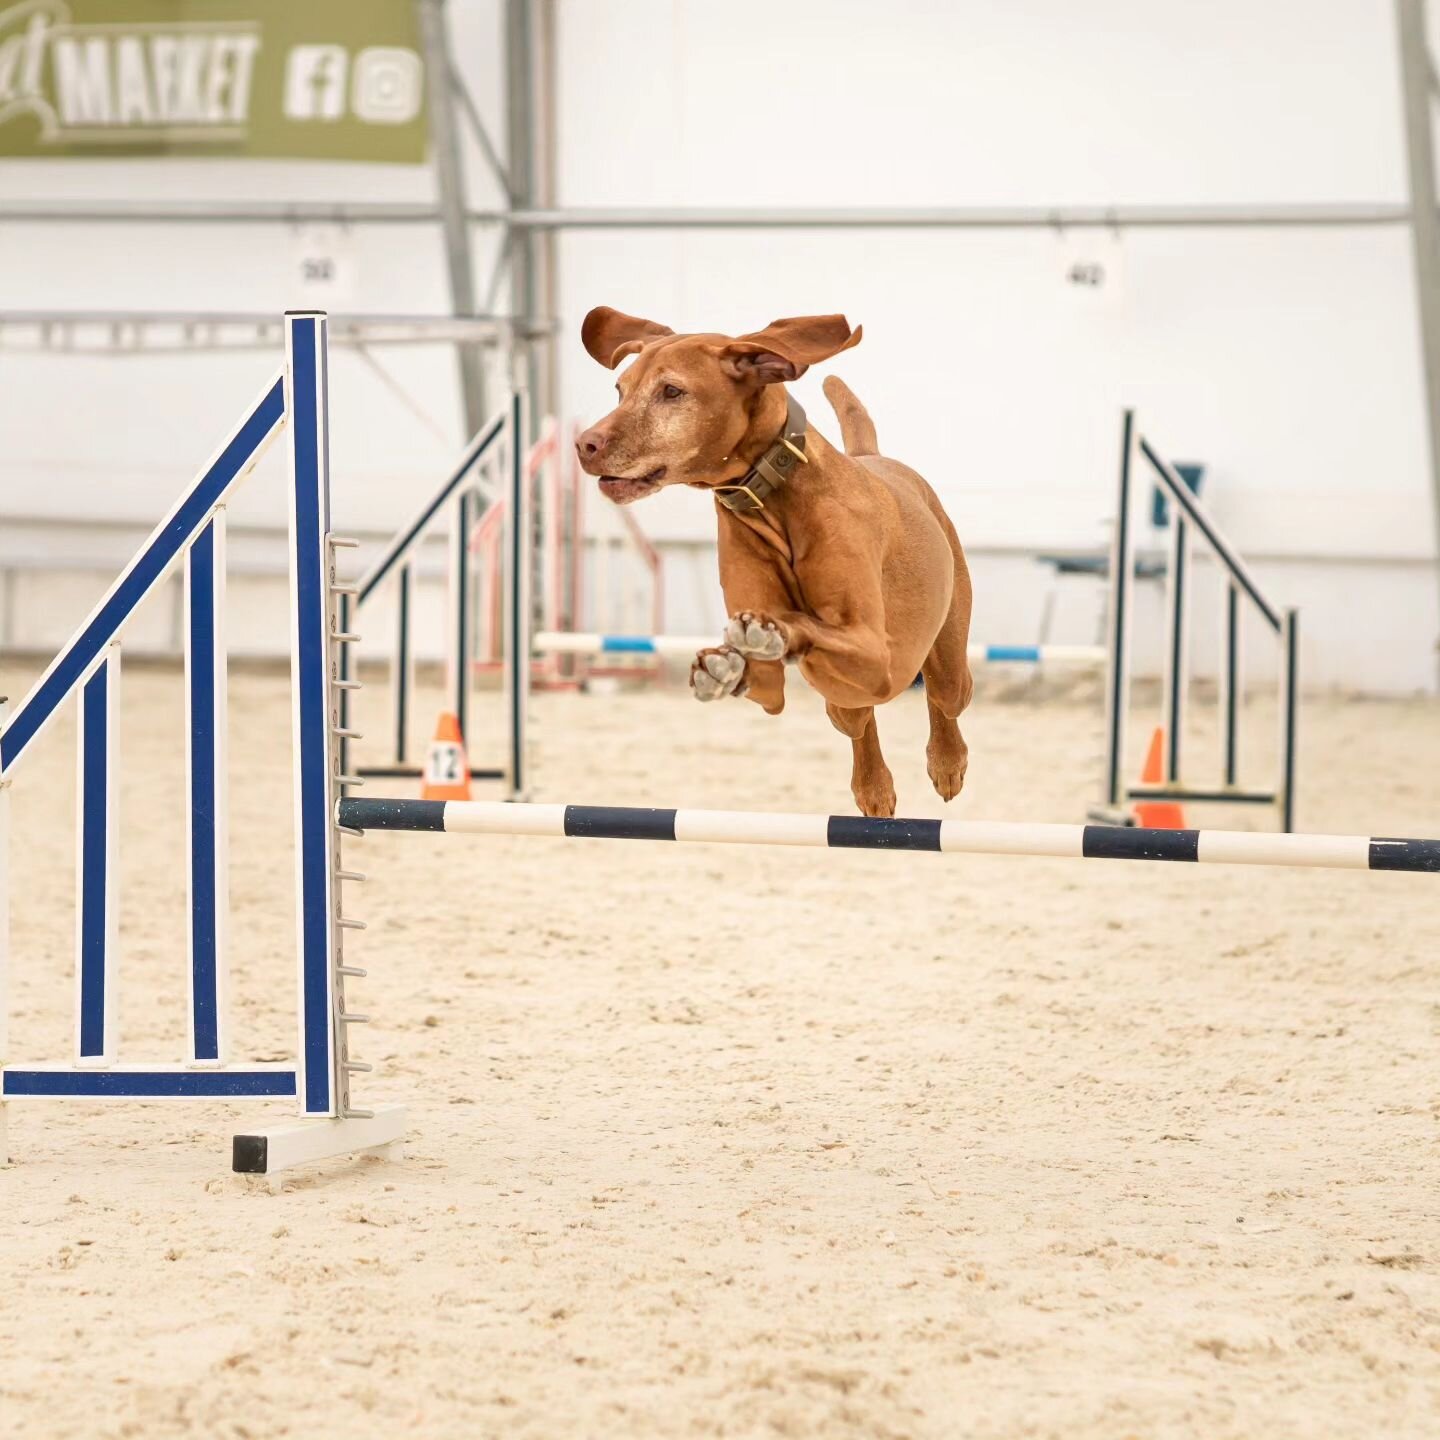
{"points": [[299, 79]]}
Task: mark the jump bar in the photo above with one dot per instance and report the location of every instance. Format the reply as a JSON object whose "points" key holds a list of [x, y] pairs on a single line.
{"points": [[415, 772], [556, 642], [973, 837]]}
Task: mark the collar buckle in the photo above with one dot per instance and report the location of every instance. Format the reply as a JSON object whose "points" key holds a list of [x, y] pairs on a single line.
{"points": [[772, 469], [756, 503]]}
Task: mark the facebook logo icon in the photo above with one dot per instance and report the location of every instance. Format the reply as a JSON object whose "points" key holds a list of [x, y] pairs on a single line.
{"points": [[315, 86]]}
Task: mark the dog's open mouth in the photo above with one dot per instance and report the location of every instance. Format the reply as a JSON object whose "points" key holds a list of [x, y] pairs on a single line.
{"points": [[623, 491]]}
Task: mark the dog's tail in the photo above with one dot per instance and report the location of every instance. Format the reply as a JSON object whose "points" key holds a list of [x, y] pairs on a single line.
{"points": [[857, 429]]}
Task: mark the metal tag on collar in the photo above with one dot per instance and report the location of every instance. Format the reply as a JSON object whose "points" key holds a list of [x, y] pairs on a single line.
{"points": [[799, 454]]}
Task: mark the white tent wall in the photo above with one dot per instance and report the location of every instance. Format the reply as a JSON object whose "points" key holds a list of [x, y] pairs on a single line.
{"points": [[1287, 360]]}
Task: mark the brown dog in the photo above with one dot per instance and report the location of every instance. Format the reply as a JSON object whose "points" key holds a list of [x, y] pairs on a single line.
{"points": [[844, 563]]}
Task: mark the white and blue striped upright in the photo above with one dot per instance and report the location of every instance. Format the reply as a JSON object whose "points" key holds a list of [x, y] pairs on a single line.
{"points": [[90, 665], [315, 706], [205, 732], [97, 888]]}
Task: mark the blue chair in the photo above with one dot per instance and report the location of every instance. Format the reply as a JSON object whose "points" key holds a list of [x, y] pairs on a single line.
{"points": [[1151, 564]]}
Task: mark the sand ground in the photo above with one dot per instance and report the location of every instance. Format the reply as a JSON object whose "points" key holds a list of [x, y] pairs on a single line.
{"points": [[710, 1141]]}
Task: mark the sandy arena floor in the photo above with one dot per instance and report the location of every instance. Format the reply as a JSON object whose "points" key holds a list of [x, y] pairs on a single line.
{"points": [[720, 1142]]}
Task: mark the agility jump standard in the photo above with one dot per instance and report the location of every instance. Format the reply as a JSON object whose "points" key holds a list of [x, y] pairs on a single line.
{"points": [[856, 832], [88, 668], [497, 446], [1189, 522]]}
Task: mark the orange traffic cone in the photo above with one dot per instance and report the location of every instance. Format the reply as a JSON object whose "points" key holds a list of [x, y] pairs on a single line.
{"points": [[447, 768], [1158, 814]]}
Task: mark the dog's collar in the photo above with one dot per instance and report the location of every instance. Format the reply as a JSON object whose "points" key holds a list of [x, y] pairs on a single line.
{"points": [[770, 472]]}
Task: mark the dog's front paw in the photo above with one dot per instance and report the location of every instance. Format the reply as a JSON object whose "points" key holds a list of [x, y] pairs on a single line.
{"points": [[755, 636], [717, 673]]}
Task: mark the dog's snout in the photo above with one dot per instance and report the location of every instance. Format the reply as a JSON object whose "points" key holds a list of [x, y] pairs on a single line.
{"points": [[592, 442]]}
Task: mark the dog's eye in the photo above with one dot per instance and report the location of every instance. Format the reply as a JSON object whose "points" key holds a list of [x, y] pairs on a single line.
{"points": [[670, 392]]}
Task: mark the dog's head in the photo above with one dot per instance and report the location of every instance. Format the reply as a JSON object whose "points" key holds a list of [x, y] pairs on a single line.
{"points": [[690, 402]]}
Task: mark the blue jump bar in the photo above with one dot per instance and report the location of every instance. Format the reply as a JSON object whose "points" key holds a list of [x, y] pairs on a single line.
{"points": [[645, 645], [626, 645], [149, 1084]]}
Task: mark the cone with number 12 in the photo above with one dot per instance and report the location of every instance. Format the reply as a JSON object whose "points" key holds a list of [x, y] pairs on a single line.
{"points": [[447, 768]]}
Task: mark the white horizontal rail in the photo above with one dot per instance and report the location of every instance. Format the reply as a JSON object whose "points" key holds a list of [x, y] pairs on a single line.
{"points": [[555, 642], [974, 837]]}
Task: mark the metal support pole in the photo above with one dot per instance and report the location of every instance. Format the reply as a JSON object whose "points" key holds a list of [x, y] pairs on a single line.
{"points": [[450, 191], [462, 651], [519, 138], [1231, 684], [1176, 657], [1289, 696], [401, 668], [348, 680], [1416, 73], [519, 557], [1122, 566], [530, 120]]}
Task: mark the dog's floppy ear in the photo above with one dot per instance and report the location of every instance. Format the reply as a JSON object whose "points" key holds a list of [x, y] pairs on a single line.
{"points": [[610, 336], [785, 349]]}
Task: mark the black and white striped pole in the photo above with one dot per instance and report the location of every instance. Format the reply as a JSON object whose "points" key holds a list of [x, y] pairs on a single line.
{"points": [[855, 832]]}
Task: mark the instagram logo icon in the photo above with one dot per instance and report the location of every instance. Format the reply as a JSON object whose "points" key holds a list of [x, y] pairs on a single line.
{"points": [[387, 85]]}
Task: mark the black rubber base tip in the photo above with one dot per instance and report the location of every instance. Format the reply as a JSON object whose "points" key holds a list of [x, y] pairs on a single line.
{"points": [[250, 1154]]}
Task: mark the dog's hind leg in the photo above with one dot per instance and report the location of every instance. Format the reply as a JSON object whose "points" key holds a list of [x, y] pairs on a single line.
{"points": [[871, 783], [948, 688]]}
